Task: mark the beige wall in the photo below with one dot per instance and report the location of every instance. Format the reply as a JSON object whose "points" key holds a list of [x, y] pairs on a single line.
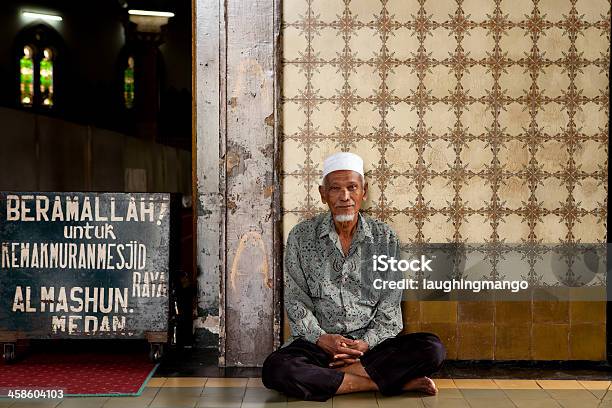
{"points": [[485, 121]]}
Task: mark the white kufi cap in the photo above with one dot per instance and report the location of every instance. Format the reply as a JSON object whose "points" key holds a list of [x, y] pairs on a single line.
{"points": [[342, 161]]}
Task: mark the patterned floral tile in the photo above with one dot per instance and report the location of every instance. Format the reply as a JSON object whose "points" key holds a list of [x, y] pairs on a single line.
{"points": [[478, 121]]}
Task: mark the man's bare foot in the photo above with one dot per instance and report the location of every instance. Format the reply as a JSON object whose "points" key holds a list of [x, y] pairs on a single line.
{"points": [[421, 384]]}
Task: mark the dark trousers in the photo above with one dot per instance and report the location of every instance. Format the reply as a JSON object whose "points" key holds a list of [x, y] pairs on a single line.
{"points": [[301, 369]]}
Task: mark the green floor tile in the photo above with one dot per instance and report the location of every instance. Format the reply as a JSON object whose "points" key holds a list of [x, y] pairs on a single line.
{"points": [[583, 395], [471, 394], [207, 402], [271, 404], [435, 402], [174, 401], [400, 401], [577, 403], [263, 395], [229, 392], [599, 394], [48, 403], [526, 394], [481, 402], [181, 391], [83, 402], [128, 402], [537, 403], [355, 400], [446, 393], [293, 403], [150, 392]]}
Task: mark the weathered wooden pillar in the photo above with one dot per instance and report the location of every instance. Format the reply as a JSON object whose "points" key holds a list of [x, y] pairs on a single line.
{"points": [[237, 165]]}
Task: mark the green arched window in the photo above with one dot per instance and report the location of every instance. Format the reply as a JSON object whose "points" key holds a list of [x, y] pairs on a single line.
{"points": [[128, 83], [46, 77], [26, 76], [38, 62]]}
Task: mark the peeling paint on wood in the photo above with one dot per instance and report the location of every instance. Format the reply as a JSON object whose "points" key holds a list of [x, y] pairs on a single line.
{"points": [[210, 323], [257, 260], [268, 191], [231, 206], [208, 150], [233, 160], [270, 120], [250, 236], [238, 132]]}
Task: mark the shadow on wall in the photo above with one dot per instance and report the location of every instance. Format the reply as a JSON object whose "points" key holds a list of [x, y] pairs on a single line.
{"points": [[39, 153]]}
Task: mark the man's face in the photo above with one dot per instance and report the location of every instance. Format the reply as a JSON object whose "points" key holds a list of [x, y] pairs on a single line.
{"points": [[343, 192]]}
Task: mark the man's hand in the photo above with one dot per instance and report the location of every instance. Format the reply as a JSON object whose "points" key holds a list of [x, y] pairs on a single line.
{"points": [[344, 351], [340, 348], [341, 360]]}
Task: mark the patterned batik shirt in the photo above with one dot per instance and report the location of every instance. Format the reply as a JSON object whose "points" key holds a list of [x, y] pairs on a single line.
{"points": [[328, 292]]}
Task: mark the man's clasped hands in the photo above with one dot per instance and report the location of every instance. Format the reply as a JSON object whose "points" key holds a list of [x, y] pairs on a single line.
{"points": [[344, 351]]}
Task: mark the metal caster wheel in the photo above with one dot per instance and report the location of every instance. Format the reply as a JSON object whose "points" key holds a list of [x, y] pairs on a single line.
{"points": [[157, 352], [9, 353]]}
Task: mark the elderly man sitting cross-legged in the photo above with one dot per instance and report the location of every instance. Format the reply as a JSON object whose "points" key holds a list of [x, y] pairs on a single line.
{"points": [[345, 334]]}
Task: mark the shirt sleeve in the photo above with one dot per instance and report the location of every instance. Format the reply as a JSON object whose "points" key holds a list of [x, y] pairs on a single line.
{"points": [[387, 321], [298, 303]]}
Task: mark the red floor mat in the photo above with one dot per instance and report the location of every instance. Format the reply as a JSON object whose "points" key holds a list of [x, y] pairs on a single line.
{"points": [[79, 374]]}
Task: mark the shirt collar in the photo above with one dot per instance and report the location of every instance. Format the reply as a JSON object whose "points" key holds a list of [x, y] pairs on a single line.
{"points": [[363, 229]]}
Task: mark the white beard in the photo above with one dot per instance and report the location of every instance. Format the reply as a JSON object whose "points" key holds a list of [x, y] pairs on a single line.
{"points": [[344, 217]]}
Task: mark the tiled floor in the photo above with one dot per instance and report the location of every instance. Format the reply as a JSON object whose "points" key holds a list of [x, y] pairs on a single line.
{"points": [[250, 393]]}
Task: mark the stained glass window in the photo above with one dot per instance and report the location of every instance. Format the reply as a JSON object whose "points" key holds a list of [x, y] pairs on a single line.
{"points": [[46, 77], [128, 84], [26, 77]]}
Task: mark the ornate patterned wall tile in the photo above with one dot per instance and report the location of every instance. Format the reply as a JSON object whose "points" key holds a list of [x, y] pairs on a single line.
{"points": [[478, 120]]}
